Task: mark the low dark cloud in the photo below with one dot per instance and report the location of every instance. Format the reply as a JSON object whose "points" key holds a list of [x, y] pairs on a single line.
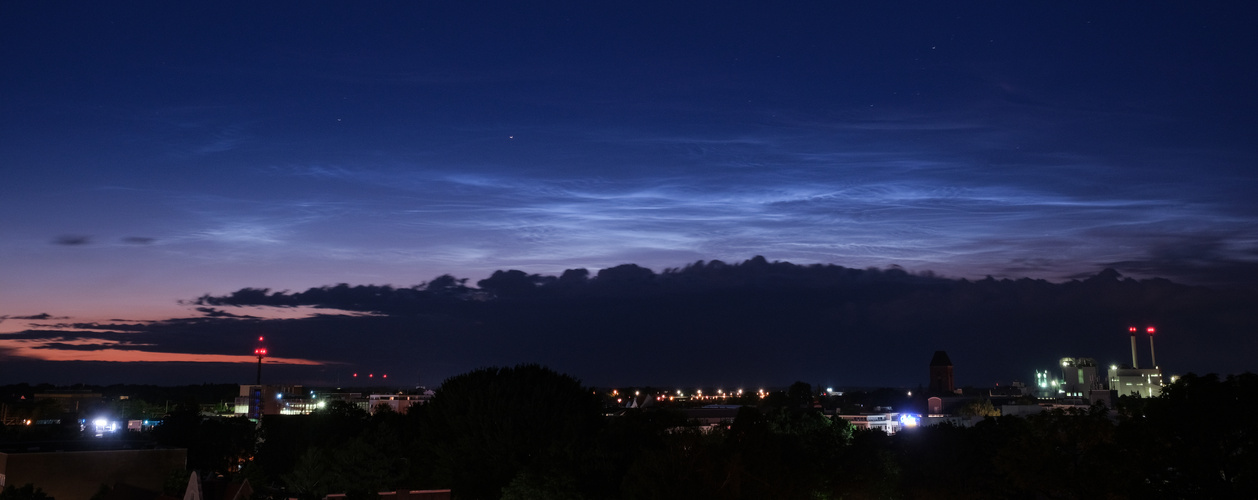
{"points": [[119, 327], [72, 240], [40, 316], [211, 312], [1210, 259], [45, 335], [751, 323], [138, 240], [90, 346], [755, 322]]}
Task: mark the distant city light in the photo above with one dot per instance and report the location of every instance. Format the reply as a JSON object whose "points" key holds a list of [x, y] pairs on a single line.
{"points": [[101, 426]]}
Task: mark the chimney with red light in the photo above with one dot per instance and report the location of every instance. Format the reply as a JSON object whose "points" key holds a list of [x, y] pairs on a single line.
{"points": [[1133, 347]]}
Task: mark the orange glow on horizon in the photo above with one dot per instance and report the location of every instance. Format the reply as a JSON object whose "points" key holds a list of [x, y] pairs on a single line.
{"points": [[32, 349]]}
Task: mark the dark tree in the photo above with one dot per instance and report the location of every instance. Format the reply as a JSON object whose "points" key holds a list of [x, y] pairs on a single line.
{"points": [[26, 492], [1184, 456], [484, 428]]}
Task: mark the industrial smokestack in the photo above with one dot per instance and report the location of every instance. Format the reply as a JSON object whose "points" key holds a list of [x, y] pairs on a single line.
{"points": [[1152, 357], [1133, 347]]}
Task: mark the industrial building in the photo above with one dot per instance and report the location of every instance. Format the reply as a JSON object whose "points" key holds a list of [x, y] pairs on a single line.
{"points": [[1133, 380]]}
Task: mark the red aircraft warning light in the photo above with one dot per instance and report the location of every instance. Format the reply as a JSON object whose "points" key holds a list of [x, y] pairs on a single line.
{"points": [[260, 352]]}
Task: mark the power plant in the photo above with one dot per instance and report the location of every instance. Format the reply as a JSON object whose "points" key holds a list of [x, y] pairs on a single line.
{"points": [[1145, 382]]}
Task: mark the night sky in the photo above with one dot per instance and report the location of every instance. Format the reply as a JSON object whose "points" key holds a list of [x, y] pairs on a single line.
{"points": [[154, 153]]}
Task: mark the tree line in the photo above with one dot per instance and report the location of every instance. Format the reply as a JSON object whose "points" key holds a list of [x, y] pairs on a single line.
{"points": [[528, 432]]}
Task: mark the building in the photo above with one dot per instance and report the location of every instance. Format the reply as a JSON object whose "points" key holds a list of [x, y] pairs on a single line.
{"points": [[941, 374], [79, 474], [889, 423], [1133, 380], [74, 401], [712, 416], [1078, 378], [1046, 386], [1143, 382], [934, 406], [398, 403], [257, 400], [404, 495]]}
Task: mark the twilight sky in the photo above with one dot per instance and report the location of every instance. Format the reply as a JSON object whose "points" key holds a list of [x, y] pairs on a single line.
{"points": [[154, 152]]}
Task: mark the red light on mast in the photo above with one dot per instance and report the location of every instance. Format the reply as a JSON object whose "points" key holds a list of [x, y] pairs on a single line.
{"points": [[1132, 329], [1151, 330], [260, 352]]}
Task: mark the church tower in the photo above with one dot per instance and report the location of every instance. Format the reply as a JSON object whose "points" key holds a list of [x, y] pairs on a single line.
{"points": [[941, 374]]}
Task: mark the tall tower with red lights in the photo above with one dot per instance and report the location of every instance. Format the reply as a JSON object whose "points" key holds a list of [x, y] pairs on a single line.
{"points": [[260, 352], [255, 392]]}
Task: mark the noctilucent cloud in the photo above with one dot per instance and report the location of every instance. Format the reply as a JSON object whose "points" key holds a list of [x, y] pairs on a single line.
{"points": [[155, 152]]}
